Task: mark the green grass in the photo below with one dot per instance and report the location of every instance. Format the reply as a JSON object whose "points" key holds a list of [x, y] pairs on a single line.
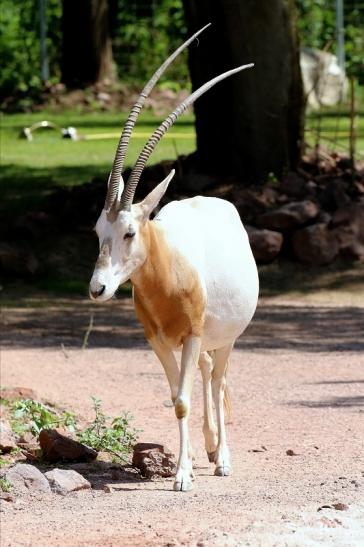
{"points": [[333, 126], [30, 170]]}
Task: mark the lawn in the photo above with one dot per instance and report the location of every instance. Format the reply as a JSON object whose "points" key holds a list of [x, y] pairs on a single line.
{"points": [[333, 126], [31, 169]]}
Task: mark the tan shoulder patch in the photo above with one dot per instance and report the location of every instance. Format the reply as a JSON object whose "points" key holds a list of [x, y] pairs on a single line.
{"points": [[167, 292]]}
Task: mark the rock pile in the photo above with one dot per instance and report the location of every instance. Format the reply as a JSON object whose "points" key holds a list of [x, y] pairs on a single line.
{"points": [[27, 479], [312, 216]]}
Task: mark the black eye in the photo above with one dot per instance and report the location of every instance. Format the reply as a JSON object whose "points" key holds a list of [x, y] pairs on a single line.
{"points": [[128, 235]]}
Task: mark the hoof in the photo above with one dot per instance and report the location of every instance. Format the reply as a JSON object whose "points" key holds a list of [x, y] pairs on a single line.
{"points": [[211, 456], [222, 471], [182, 486]]}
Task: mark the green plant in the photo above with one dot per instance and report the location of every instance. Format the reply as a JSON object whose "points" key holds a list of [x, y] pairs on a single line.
{"points": [[104, 434], [33, 416], [114, 436], [5, 485], [19, 47], [3, 462]]}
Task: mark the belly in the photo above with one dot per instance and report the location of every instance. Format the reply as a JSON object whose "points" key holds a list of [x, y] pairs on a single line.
{"points": [[230, 306]]}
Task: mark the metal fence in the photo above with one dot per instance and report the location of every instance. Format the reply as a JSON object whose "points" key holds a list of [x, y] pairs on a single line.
{"points": [[332, 33]]}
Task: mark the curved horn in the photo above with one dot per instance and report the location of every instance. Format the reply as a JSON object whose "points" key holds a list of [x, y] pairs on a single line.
{"points": [[129, 191], [132, 118]]}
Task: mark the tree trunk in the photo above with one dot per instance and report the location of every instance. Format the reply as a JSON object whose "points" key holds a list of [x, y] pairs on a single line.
{"points": [[86, 48], [251, 124]]}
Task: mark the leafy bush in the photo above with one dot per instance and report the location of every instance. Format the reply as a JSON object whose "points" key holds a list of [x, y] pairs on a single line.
{"points": [[20, 45], [105, 434], [33, 416], [317, 27], [144, 35]]}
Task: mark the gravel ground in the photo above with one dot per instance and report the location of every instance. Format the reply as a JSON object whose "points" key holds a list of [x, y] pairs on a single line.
{"points": [[297, 383]]}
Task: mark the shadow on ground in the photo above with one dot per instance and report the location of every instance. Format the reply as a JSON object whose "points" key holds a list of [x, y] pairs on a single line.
{"points": [[67, 322], [334, 402]]}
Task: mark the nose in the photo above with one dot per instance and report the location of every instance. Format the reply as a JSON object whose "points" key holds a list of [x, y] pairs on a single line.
{"points": [[97, 291]]}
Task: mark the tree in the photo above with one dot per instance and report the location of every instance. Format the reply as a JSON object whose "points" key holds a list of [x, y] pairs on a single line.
{"points": [[86, 49], [251, 124]]}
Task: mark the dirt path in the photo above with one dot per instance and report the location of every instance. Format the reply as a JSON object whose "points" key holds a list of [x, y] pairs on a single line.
{"points": [[297, 382]]}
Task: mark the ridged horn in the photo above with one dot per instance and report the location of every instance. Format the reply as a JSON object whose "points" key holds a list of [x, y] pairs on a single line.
{"points": [[117, 167], [129, 191]]}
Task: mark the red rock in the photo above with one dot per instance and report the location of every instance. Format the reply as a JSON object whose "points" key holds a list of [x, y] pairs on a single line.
{"points": [[265, 244], [58, 447], [315, 245], [293, 185], [154, 460], [348, 227], [340, 506], [7, 438], [289, 216], [250, 204], [15, 393], [64, 481]]}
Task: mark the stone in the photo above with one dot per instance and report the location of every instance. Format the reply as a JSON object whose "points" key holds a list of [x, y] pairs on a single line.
{"points": [[315, 245], [16, 393], [293, 185], [334, 194], [27, 478], [58, 447], [347, 224], [251, 204], [7, 438], [265, 244], [154, 460], [289, 216], [64, 481]]}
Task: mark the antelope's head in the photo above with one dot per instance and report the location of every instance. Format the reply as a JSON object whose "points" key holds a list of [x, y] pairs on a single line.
{"points": [[121, 222]]}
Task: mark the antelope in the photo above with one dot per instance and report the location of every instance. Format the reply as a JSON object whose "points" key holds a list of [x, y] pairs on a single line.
{"points": [[194, 278]]}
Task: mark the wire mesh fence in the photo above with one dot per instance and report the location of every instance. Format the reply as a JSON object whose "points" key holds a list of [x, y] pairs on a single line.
{"points": [[334, 93]]}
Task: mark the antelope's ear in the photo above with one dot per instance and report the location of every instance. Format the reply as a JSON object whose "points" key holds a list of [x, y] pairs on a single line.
{"points": [[151, 201]]}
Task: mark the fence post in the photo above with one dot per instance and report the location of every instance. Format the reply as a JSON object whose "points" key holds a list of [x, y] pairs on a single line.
{"points": [[43, 41], [340, 34]]}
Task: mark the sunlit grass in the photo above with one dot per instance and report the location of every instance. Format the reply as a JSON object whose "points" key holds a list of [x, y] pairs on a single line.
{"points": [[30, 170], [48, 150], [331, 128]]}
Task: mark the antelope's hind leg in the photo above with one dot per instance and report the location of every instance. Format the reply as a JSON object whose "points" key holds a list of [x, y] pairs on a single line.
{"points": [[209, 427], [222, 455]]}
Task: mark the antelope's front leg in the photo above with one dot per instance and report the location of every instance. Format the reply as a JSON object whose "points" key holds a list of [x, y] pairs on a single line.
{"points": [[190, 355]]}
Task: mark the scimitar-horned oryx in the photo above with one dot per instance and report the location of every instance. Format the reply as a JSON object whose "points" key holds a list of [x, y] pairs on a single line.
{"points": [[195, 282]]}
